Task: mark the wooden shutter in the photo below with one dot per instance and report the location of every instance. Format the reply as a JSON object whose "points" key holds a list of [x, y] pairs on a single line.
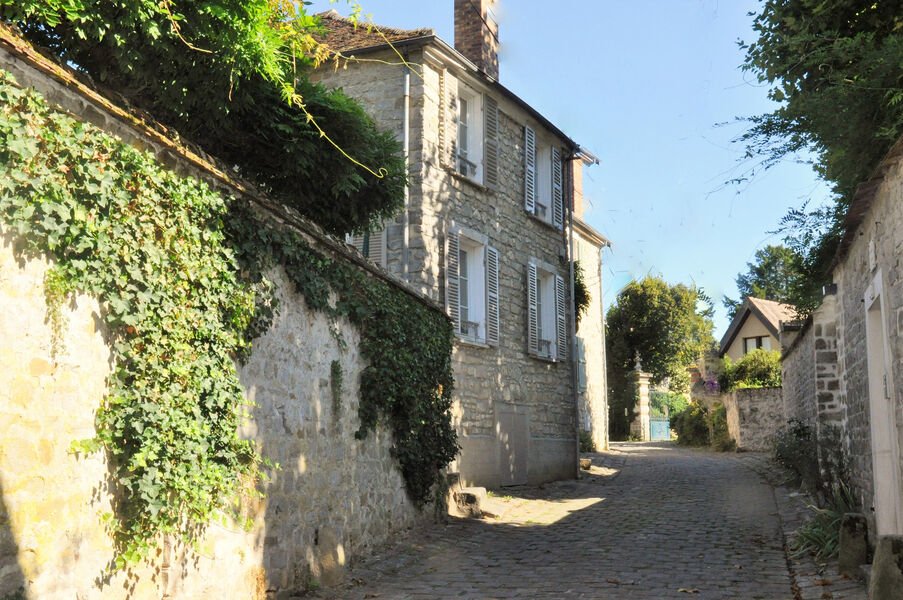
{"points": [[532, 315], [557, 192], [452, 284], [561, 348], [529, 170], [581, 365], [371, 245], [492, 296], [491, 146]]}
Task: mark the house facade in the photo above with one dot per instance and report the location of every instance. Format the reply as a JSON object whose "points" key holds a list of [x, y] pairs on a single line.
{"points": [[757, 324], [486, 230], [843, 368]]}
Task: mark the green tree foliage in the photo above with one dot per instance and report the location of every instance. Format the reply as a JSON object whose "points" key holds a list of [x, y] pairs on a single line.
{"points": [[581, 292], [675, 403], [772, 276], [223, 73], [758, 368], [661, 325], [836, 68]]}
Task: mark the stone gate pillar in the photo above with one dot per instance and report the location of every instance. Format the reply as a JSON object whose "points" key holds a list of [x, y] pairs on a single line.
{"points": [[640, 426]]}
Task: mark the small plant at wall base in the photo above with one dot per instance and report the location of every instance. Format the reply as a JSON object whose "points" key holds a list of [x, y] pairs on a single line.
{"points": [[179, 272], [586, 442]]}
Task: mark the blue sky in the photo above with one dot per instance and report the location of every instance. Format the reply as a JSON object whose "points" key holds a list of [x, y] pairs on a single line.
{"points": [[652, 87]]}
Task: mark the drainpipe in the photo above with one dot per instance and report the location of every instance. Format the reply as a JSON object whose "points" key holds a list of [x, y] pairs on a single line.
{"points": [[575, 376], [406, 144], [604, 352]]}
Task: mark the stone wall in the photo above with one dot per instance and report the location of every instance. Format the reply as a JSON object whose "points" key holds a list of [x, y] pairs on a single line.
{"points": [[754, 415], [495, 386], [333, 499], [798, 377]]}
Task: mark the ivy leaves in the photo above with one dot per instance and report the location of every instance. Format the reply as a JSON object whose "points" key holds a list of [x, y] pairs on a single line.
{"points": [[149, 244], [181, 276]]}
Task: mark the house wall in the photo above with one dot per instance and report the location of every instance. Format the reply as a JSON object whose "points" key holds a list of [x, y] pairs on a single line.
{"points": [[798, 379], [333, 500], [752, 327], [506, 402], [877, 247], [591, 333]]}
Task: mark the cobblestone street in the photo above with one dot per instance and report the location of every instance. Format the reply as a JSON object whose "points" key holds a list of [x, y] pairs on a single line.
{"points": [[650, 521]]}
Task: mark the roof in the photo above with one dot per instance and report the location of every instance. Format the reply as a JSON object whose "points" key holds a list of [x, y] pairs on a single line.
{"points": [[344, 37], [583, 228], [769, 312], [343, 34]]}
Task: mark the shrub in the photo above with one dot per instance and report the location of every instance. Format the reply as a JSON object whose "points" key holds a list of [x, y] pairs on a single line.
{"points": [[759, 368], [692, 426], [795, 449], [721, 439], [586, 442]]}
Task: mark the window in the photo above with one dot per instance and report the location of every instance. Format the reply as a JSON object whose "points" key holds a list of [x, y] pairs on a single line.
{"points": [[372, 245], [546, 331], [472, 287], [751, 343], [543, 179], [476, 153], [469, 151]]}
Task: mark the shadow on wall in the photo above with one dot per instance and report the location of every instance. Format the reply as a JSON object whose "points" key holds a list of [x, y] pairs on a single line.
{"points": [[12, 580]]}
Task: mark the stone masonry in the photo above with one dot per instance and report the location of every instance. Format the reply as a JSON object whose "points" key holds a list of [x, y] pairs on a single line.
{"points": [[333, 500], [499, 384]]}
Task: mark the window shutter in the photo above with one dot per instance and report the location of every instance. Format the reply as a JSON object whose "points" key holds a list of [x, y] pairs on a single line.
{"points": [[529, 170], [557, 192], [491, 149], [581, 365], [492, 296], [452, 285], [561, 349], [376, 249], [532, 315]]}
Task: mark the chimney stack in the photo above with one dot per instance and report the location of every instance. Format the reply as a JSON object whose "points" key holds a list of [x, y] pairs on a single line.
{"points": [[476, 35]]}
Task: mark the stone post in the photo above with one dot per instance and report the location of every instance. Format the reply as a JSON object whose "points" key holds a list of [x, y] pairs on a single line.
{"points": [[643, 405]]}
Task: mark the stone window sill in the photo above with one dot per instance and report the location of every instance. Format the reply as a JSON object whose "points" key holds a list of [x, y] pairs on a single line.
{"points": [[548, 224], [467, 180], [546, 359], [473, 343]]}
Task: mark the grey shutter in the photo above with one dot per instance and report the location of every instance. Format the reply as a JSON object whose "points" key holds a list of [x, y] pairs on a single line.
{"points": [[561, 348], [491, 147], [581, 365], [492, 296], [376, 249], [529, 170], [532, 315], [557, 192], [452, 285]]}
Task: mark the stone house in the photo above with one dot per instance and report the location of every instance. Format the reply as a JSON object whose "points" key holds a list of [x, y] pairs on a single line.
{"points": [[757, 324], [843, 367], [489, 229]]}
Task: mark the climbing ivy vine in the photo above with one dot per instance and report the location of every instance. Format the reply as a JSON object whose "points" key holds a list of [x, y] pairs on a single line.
{"points": [[180, 273]]}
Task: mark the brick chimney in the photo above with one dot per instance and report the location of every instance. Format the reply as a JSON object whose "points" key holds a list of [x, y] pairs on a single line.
{"points": [[578, 187], [476, 35]]}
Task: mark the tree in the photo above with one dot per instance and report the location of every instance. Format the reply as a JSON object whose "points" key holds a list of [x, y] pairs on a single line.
{"points": [[664, 327], [771, 276], [837, 69]]}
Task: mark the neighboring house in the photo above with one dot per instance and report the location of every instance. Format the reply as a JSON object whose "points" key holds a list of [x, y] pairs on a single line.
{"points": [[757, 324], [843, 369], [486, 230]]}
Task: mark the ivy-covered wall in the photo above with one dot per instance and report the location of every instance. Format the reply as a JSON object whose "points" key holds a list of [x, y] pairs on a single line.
{"points": [[131, 294]]}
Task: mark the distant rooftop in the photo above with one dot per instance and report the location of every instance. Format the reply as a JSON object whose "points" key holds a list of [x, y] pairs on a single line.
{"points": [[771, 313], [344, 36]]}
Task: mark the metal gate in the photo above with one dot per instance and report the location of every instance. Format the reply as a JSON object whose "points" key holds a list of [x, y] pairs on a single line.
{"points": [[660, 429]]}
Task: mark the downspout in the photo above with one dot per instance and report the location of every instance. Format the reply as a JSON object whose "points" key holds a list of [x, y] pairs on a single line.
{"points": [[575, 364], [406, 145]]}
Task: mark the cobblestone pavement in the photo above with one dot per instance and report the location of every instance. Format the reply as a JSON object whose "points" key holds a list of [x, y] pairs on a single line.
{"points": [[650, 521]]}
